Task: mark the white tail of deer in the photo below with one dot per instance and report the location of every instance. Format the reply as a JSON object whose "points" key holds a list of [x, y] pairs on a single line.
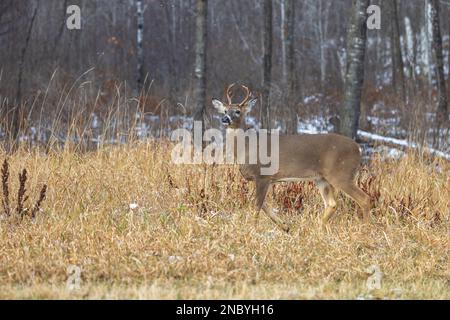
{"points": [[330, 160]]}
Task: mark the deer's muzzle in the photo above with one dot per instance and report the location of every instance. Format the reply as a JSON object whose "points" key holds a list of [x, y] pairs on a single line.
{"points": [[226, 120]]}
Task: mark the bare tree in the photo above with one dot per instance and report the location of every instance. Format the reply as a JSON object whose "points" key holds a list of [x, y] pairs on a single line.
{"points": [[200, 60], [398, 77], [426, 40], [16, 118], [291, 63], [356, 49], [322, 16], [411, 55], [6, 6], [139, 44], [283, 36], [172, 12], [442, 109], [61, 29], [267, 72]]}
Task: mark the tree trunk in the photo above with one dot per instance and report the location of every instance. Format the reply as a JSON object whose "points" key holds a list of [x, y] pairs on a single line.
{"points": [[16, 115], [140, 48], [291, 63], [428, 64], [322, 33], [267, 81], [398, 76], [200, 61], [442, 109], [356, 47], [56, 50], [172, 16], [283, 36], [411, 53]]}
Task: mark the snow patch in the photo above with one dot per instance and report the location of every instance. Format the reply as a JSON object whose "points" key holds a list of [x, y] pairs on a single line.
{"points": [[403, 143]]}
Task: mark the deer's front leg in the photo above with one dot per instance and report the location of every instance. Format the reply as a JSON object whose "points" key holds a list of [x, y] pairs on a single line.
{"points": [[262, 186]]}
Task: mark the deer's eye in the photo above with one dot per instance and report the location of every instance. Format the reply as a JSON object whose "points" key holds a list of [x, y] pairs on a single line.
{"points": [[238, 112]]}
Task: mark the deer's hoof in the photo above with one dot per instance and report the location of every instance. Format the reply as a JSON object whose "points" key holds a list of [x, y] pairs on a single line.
{"points": [[285, 228]]}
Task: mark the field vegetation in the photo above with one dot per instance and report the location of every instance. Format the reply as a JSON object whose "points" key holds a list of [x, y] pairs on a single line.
{"points": [[139, 226]]}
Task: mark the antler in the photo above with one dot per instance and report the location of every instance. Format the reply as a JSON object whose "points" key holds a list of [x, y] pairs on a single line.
{"points": [[229, 93], [247, 96]]}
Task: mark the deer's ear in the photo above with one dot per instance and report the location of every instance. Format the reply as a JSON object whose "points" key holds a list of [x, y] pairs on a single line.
{"points": [[250, 105], [218, 105]]}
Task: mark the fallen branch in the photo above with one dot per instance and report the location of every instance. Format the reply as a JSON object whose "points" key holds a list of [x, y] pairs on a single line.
{"points": [[399, 143]]}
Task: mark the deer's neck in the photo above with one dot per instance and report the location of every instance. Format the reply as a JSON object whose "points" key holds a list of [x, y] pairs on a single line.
{"points": [[241, 125], [231, 133]]}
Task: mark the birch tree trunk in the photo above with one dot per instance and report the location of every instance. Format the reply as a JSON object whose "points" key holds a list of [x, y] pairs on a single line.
{"points": [[356, 48], [140, 48], [139, 43], [442, 108], [427, 43], [267, 72], [200, 60], [411, 54]]}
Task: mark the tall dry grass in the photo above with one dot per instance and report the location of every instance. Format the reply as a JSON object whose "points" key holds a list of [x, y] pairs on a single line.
{"points": [[190, 231]]}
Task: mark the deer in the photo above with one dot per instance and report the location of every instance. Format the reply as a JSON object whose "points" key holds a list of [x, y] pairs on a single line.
{"points": [[330, 160]]}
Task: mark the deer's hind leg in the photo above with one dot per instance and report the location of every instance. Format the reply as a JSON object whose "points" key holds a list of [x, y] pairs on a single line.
{"points": [[345, 182], [328, 193], [363, 200], [262, 186]]}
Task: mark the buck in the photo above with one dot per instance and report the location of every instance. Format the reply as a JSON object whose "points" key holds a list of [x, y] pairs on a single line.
{"points": [[331, 160]]}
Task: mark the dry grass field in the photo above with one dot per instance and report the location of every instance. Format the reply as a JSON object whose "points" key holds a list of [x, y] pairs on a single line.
{"points": [[139, 226]]}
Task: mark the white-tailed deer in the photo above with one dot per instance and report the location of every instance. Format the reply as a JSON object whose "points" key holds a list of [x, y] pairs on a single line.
{"points": [[330, 160]]}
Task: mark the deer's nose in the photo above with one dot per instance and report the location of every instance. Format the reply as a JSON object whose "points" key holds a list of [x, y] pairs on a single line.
{"points": [[226, 120]]}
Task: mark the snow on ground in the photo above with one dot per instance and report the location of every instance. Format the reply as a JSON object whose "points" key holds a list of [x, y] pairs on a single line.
{"points": [[151, 126]]}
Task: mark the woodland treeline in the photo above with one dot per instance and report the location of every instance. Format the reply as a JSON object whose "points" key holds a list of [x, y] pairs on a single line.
{"points": [[183, 52]]}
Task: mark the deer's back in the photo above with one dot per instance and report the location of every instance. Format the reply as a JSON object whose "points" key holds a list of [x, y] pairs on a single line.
{"points": [[310, 156], [317, 155]]}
